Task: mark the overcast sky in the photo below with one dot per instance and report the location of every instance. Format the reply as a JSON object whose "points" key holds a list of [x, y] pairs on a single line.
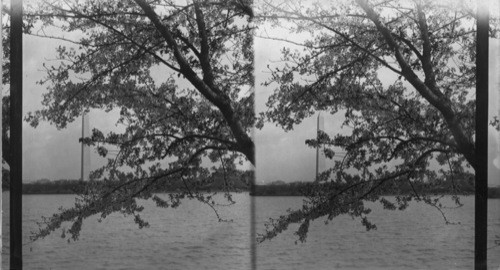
{"points": [[55, 154]]}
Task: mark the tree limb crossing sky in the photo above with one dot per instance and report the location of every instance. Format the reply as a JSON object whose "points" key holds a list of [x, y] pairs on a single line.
{"points": [[55, 154]]}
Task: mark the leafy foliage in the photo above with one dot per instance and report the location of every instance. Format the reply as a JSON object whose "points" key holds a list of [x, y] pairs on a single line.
{"points": [[181, 76], [414, 125]]}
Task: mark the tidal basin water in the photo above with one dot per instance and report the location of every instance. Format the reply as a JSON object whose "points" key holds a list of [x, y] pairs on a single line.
{"points": [[190, 237]]}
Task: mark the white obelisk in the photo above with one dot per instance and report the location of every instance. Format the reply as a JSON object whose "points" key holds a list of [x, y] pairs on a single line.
{"points": [[320, 155], [85, 158]]}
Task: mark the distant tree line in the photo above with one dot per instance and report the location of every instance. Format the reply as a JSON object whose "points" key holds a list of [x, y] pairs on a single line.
{"points": [[241, 180], [232, 181], [280, 188], [62, 186], [494, 192], [462, 186]]}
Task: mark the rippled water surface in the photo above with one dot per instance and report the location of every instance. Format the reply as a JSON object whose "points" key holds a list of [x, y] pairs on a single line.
{"points": [[416, 238], [190, 237]]}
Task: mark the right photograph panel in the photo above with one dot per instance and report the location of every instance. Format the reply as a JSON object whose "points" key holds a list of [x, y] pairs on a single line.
{"points": [[366, 135]]}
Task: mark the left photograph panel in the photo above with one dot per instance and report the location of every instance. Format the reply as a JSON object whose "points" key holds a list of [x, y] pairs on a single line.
{"points": [[136, 143]]}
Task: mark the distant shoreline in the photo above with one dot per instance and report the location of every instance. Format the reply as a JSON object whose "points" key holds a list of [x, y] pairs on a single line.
{"points": [[296, 189]]}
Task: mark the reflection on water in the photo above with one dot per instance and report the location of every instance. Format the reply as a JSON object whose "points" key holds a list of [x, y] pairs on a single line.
{"points": [[191, 238]]}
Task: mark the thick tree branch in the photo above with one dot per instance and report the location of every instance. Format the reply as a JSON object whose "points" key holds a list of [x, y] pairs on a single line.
{"points": [[430, 78], [213, 94], [433, 95], [208, 76]]}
